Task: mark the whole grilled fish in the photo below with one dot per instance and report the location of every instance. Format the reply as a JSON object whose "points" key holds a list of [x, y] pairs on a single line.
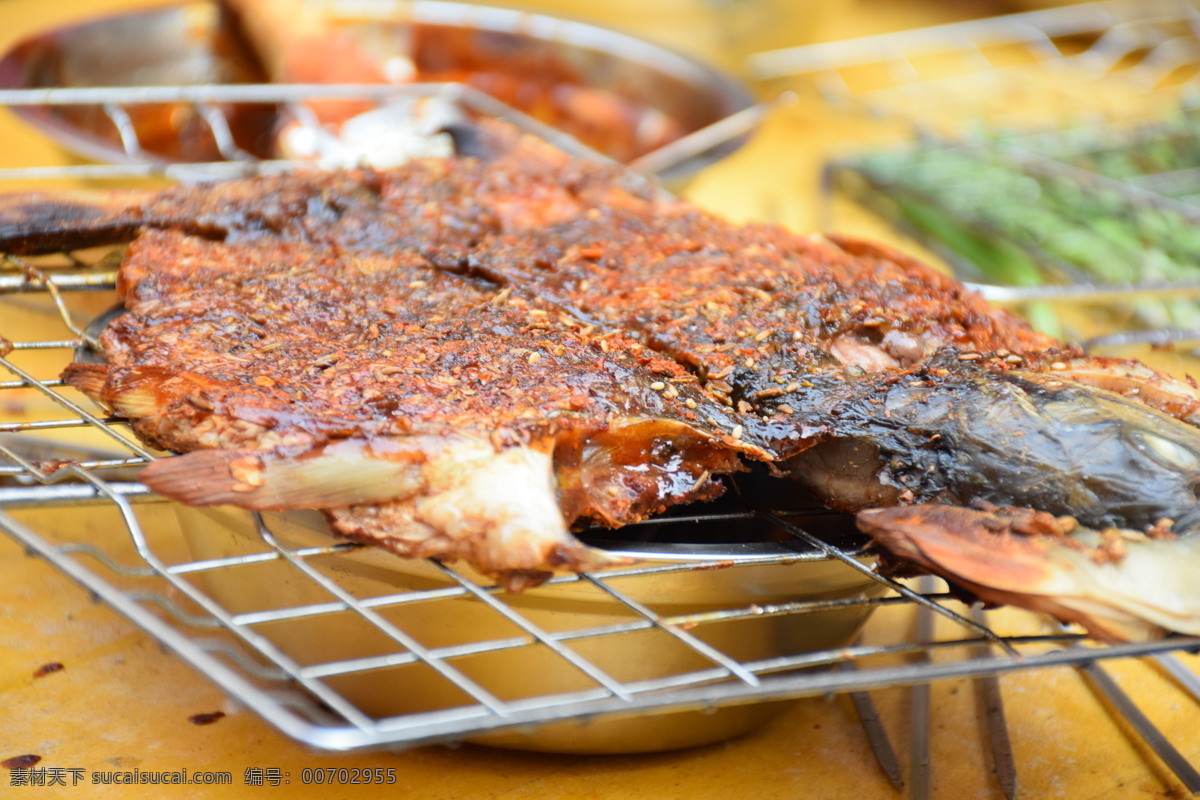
{"points": [[869, 377]]}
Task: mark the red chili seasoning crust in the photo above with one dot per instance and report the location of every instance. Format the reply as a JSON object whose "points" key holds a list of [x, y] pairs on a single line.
{"points": [[464, 357]]}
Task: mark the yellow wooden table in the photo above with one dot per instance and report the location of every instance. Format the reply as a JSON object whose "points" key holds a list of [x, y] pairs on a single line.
{"points": [[120, 702]]}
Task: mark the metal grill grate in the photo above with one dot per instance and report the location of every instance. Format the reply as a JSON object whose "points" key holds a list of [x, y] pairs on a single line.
{"points": [[1093, 61], [57, 451]]}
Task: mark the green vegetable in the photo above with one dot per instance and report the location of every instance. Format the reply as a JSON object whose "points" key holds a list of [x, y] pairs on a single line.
{"points": [[1027, 221]]}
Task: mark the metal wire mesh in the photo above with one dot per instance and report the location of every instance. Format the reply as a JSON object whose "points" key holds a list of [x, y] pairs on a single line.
{"points": [[1093, 61], [57, 450]]}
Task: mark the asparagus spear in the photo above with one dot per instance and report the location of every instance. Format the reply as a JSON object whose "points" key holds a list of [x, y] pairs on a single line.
{"points": [[1024, 226]]}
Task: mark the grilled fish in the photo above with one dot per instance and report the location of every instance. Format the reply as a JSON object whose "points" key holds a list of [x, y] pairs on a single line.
{"points": [[868, 376]]}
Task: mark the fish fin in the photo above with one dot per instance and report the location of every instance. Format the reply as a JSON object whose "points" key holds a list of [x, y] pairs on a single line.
{"points": [[1134, 381], [337, 474], [91, 379], [138, 392], [496, 510], [452, 498], [1133, 591]]}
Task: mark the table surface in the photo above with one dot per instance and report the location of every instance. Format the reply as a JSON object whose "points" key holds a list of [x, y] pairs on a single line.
{"points": [[122, 702]]}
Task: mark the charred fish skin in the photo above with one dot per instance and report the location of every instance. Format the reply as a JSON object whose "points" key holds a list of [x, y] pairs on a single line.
{"points": [[1012, 438]]}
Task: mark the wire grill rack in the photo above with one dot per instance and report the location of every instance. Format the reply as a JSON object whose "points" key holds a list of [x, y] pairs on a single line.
{"points": [[1108, 60], [57, 451]]}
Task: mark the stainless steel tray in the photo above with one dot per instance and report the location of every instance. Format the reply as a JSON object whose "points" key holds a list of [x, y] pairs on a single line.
{"points": [[196, 44]]}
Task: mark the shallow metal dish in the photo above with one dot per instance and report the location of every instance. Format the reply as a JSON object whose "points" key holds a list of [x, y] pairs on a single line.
{"points": [[719, 577], [195, 44]]}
